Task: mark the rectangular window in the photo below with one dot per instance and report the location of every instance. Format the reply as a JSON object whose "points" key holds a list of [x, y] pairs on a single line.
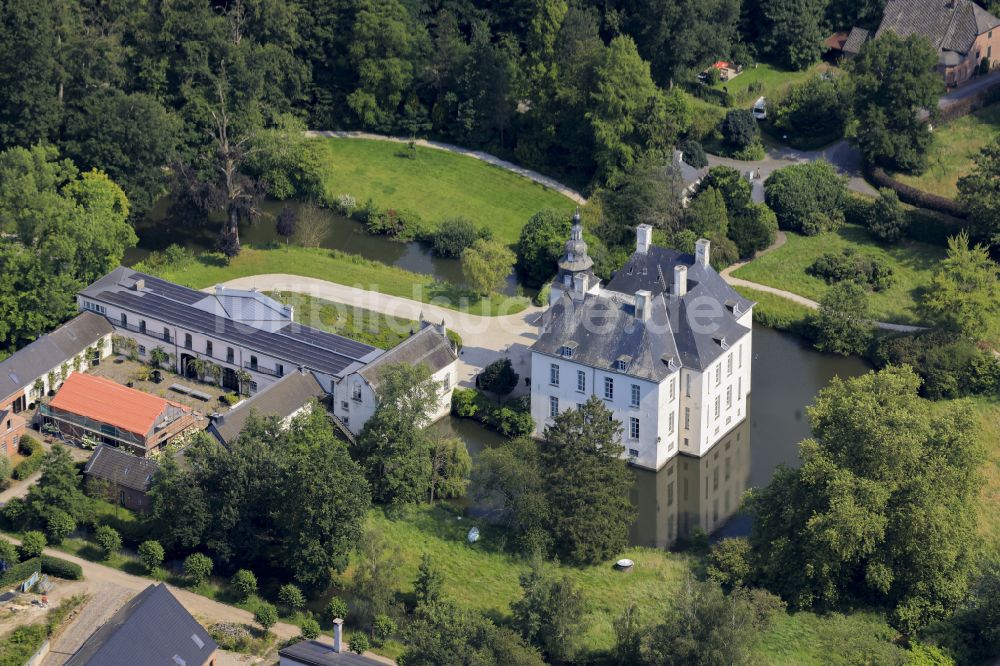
{"points": [[729, 397], [553, 406], [554, 374], [566, 351], [633, 453], [670, 423], [718, 374], [142, 350], [253, 387], [670, 494], [187, 341], [635, 395], [230, 355], [208, 348], [166, 334], [687, 420], [715, 479], [739, 352], [729, 365], [609, 388], [124, 319], [356, 393], [581, 381], [688, 391], [253, 362], [739, 386], [716, 406], [142, 326], [280, 369], [672, 390], [633, 427], [344, 405]]}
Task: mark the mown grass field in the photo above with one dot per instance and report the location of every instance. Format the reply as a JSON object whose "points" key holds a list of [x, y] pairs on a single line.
{"points": [[210, 268], [373, 328], [955, 145], [436, 184], [913, 264], [768, 80]]}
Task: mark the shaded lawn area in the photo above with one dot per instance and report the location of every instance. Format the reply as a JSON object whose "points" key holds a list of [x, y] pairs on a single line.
{"points": [[373, 328], [436, 184], [913, 265], [348, 269], [955, 145]]}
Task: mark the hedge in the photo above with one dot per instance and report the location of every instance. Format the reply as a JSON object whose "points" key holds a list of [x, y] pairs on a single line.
{"points": [[60, 568], [917, 197], [29, 446], [19, 572], [28, 466], [18, 647], [925, 226]]}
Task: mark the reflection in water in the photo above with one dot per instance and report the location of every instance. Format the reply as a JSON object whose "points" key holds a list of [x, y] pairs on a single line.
{"points": [[157, 230], [690, 492]]}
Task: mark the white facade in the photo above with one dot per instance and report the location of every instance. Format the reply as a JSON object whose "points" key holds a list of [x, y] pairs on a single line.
{"points": [[356, 400]]}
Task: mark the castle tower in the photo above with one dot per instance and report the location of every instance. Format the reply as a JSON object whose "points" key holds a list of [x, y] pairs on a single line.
{"points": [[576, 275]]}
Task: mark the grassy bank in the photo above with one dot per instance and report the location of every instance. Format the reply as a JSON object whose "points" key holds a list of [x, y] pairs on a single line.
{"points": [[347, 269], [913, 265], [955, 145], [373, 328], [776, 312], [436, 184]]}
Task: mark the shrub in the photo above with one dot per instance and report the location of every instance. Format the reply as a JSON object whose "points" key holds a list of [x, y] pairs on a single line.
{"points": [[383, 629], [19, 572], [310, 629], [456, 234], [244, 584], [499, 377], [60, 568], [886, 217], [739, 128], [291, 597], [232, 637], [806, 197], [27, 467], [266, 615], [541, 299], [359, 642], [751, 153], [512, 422], [231, 399], [754, 229], [917, 197], [729, 562], [151, 555], [337, 608], [346, 204], [817, 108], [16, 513], [693, 153], [29, 446], [197, 567], [818, 222], [866, 270], [108, 539], [950, 367], [32, 544], [18, 647]]}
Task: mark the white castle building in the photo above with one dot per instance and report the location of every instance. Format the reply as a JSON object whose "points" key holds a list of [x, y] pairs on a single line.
{"points": [[667, 345]]}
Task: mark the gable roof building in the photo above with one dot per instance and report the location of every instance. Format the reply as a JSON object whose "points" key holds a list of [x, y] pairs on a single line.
{"points": [[151, 628], [654, 344], [128, 476], [284, 399]]}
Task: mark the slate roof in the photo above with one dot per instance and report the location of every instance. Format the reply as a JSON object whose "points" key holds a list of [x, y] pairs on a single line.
{"points": [[315, 653], [295, 344], [51, 350], [152, 628], [113, 464], [427, 346], [282, 398], [604, 327], [949, 25], [855, 40]]}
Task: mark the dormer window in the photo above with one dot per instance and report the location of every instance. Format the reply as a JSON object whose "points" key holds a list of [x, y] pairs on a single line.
{"points": [[621, 363], [566, 351]]}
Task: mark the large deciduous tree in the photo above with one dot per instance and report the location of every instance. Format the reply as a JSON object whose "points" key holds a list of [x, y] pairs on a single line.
{"points": [[964, 294], [979, 193], [793, 31], [486, 265], [843, 324], [882, 508]]}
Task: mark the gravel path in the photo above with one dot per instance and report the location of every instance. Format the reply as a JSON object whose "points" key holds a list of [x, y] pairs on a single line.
{"points": [[103, 603], [550, 183]]}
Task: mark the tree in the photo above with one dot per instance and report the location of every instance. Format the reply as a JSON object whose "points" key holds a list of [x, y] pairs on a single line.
{"points": [[383, 628], [108, 539], [707, 626], [456, 234], [754, 229], [734, 187], [59, 524], [291, 597], [450, 468], [508, 480], [8, 553], [817, 108], [499, 377], [964, 294], [802, 193], [628, 636], [360, 643], [58, 495], [886, 217], [244, 583], [540, 246], [706, 214], [550, 614], [336, 609], [32, 544], [312, 226], [843, 325], [793, 31], [486, 265], [393, 447], [647, 193], [587, 483], [177, 506], [266, 615], [287, 223], [739, 129], [882, 508], [429, 584], [310, 629], [893, 79], [729, 562], [151, 555], [376, 578], [979, 193], [197, 567]]}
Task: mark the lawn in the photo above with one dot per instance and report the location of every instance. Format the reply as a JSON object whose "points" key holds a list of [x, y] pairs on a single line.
{"points": [[436, 184], [209, 269], [913, 263], [372, 328], [768, 80], [955, 144]]}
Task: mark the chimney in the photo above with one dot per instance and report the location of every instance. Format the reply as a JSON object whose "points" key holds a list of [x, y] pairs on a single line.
{"points": [[643, 238], [580, 283], [701, 251], [443, 328], [680, 280], [139, 285], [338, 635], [219, 289], [290, 311], [643, 304]]}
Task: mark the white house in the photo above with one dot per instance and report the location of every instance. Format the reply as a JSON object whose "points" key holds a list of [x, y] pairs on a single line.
{"points": [[248, 331], [666, 344]]}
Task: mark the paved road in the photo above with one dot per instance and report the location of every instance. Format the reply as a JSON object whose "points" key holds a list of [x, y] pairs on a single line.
{"points": [[550, 183], [485, 338], [977, 85]]}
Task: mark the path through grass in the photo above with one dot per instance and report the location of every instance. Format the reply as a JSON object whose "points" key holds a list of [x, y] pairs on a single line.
{"points": [[436, 184]]}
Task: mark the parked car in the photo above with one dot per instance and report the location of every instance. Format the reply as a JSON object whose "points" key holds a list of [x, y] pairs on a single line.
{"points": [[760, 108]]}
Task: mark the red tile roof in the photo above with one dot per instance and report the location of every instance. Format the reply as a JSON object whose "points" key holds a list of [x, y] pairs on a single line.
{"points": [[109, 402]]}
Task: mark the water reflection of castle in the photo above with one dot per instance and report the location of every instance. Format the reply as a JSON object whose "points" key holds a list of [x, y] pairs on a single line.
{"points": [[691, 492]]}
